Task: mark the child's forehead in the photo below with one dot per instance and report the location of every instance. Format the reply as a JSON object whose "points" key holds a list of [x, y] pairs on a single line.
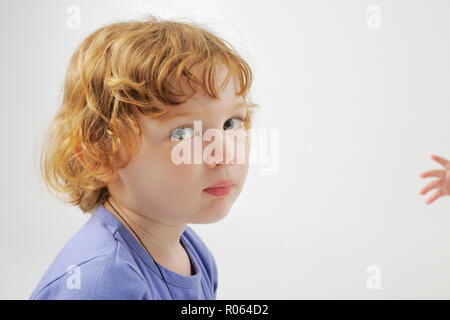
{"points": [[186, 111]]}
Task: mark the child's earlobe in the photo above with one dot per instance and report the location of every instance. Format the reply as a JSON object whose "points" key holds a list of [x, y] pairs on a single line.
{"points": [[110, 178]]}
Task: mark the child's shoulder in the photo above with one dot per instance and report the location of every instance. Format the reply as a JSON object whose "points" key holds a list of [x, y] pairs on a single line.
{"points": [[91, 265]]}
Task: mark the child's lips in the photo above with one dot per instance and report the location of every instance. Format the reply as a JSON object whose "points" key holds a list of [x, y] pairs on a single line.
{"points": [[222, 183], [219, 191]]}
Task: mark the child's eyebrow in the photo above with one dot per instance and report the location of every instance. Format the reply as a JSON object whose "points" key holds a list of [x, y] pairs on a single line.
{"points": [[169, 116]]}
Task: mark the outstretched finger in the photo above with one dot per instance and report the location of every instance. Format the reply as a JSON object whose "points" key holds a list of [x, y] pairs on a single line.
{"points": [[431, 185], [436, 195], [434, 173], [441, 160]]}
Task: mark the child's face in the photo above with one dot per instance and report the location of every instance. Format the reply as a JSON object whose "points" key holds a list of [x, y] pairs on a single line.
{"points": [[153, 185]]}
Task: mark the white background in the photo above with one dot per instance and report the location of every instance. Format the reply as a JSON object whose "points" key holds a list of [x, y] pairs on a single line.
{"points": [[359, 111]]}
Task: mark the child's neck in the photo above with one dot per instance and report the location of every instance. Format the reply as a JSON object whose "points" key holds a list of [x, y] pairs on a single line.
{"points": [[162, 241]]}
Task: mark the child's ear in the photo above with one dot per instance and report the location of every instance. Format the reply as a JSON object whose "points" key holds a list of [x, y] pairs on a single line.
{"points": [[108, 178]]}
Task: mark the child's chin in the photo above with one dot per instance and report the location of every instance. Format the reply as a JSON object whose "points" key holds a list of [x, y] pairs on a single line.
{"points": [[210, 218]]}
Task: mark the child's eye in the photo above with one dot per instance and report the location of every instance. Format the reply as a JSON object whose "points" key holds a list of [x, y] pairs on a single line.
{"points": [[182, 133]]}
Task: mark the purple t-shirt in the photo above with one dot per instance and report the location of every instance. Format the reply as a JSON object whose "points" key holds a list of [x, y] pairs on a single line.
{"points": [[103, 260]]}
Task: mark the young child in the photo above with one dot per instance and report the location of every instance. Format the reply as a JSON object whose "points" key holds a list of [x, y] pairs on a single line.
{"points": [[443, 184], [132, 93]]}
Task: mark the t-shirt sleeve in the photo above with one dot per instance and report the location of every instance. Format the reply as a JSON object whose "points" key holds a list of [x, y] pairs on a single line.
{"points": [[101, 278]]}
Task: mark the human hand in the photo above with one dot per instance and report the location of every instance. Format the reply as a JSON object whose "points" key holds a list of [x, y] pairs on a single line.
{"points": [[443, 184]]}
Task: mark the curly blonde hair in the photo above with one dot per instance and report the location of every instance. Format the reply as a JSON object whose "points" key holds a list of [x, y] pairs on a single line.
{"points": [[117, 74]]}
